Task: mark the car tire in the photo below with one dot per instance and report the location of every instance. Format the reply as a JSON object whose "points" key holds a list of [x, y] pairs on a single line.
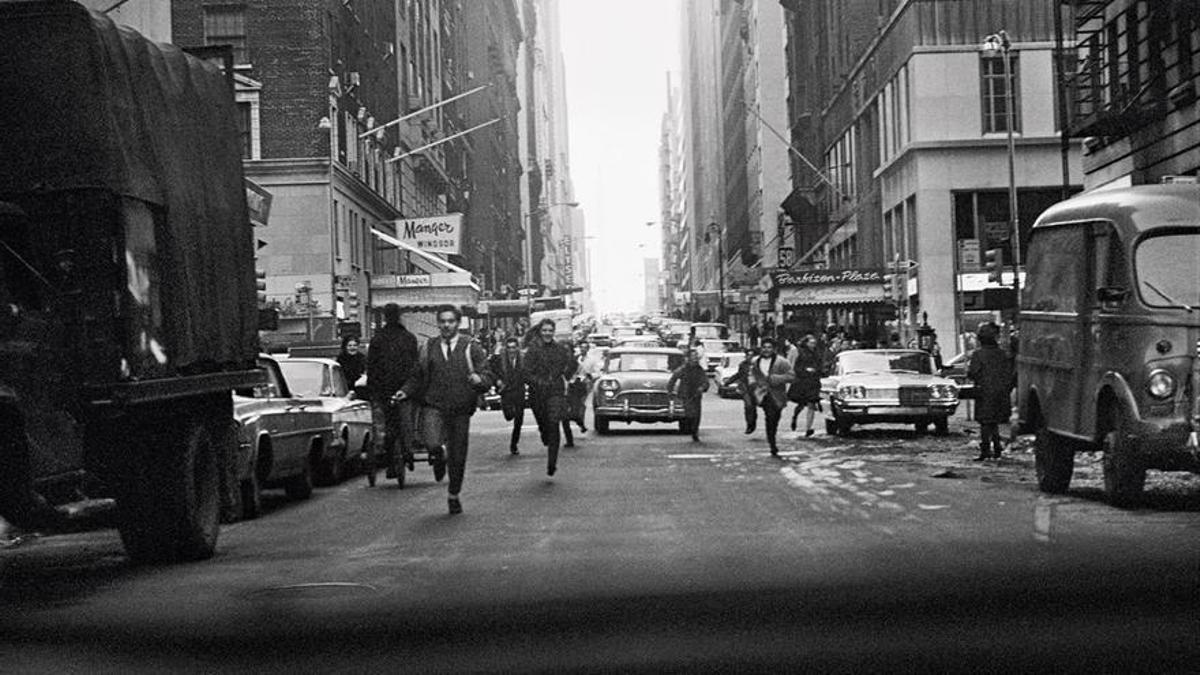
{"points": [[921, 427], [300, 486], [844, 426], [941, 426], [685, 427], [1053, 461], [169, 506], [251, 491], [600, 424], [1124, 474], [831, 427]]}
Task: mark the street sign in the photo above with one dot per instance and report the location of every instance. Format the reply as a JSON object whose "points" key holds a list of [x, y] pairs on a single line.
{"points": [[996, 231], [968, 255], [785, 256]]}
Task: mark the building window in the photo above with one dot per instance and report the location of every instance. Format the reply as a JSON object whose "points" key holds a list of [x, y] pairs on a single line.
{"points": [[244, 129], [995, 91], [226, 25]]}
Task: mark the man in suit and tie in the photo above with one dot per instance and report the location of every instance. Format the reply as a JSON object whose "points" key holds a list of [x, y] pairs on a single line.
{"points": [[454, 369], [769, 378], [509, 369]]}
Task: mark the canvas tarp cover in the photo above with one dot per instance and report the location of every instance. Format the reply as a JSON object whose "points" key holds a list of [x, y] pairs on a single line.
{"points": [[87, 104]]}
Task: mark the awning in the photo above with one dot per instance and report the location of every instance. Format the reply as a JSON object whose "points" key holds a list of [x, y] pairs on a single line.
{"points": [[843, 294], [504, 308], [424, 291]]}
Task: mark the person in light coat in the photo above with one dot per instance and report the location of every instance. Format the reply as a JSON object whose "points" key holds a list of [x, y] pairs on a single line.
{"points": [[769, 378]]}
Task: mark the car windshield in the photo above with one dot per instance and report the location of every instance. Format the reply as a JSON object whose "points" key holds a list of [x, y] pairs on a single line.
{"points": [[643, 361], [307, 378], [882, 362], [1166, 270]]}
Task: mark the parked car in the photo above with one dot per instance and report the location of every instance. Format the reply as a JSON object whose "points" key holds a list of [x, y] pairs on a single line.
{"points": [[730, 362], [956, 369], [349, 417], [281, 438], [632, 387], [708, 331], [715, 352], [887, 385]]}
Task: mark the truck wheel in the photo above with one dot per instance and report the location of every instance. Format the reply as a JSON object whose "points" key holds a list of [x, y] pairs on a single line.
{"points": [[600, 424], [170, 504], [300, 486], [1124, 475], [1053, 461]]}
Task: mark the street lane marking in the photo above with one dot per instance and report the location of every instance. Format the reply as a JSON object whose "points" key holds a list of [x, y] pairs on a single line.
{"points": [[692, 456]]}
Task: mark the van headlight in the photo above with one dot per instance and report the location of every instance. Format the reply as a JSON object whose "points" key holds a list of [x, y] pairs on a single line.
{"points": [[1161, 385]]}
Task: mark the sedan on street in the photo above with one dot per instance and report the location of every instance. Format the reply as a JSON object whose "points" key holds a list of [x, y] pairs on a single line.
{"points": [[349, 417], [632, 387], [281, 438], [887, 385]]}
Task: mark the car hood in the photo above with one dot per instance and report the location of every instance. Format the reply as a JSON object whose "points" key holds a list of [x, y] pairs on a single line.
{"points": [[886, 380], [640, 379]]}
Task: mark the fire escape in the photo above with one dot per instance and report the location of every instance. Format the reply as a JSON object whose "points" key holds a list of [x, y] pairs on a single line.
{"points": [[1128, 68]]}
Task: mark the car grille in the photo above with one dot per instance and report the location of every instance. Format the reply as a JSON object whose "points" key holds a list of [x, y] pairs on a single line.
{"points": [[914, 396], [646, 399]]}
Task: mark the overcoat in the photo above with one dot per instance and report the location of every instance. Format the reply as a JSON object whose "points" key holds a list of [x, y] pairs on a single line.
{"points": [[692, 382], [994, 376], [774, 384], [807, 386]]}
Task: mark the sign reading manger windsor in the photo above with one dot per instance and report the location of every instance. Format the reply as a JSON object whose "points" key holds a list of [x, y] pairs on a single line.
{"points": [[434, 234]]}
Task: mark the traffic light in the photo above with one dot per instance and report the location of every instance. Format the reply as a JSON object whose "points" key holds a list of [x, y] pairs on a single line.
{"points": [[352, 306], [260, 286], [995, 264], [893, 288]]}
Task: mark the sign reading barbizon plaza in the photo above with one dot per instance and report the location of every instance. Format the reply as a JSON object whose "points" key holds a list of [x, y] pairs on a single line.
{"points": [[826, 277], [435, 234]]}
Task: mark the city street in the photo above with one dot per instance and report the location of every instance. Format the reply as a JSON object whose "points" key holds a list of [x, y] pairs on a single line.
{"points": [[646, 550]]}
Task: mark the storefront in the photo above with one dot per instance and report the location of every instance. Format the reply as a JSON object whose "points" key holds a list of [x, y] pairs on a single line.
{"points": [[853, 299]]}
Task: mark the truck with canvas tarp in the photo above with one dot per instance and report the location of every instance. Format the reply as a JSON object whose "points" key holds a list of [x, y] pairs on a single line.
{"points": [[127, 287]]}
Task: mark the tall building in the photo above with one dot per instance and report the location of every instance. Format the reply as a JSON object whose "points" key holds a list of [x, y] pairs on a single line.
{"points": [[735, 114], [556, 241], [672, 191], [1130, 89], [348, 131], [650, 283], [907, 123]]}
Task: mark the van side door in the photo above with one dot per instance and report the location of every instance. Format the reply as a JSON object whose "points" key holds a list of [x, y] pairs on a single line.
{"points": [[1054, 312], [1106, 347]]}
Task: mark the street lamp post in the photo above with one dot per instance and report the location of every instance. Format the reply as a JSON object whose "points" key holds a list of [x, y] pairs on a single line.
{"points": [[715, 230], [1000, 41]]}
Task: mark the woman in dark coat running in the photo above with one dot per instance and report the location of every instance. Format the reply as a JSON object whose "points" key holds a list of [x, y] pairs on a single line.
{"points": [[689, 382], [805, 391], [994, 376]]}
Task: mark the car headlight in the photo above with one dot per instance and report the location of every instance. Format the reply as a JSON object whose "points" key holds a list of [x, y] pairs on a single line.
{"points": [[1161, 385], [609, 385], [852, 391], [943, 391]]}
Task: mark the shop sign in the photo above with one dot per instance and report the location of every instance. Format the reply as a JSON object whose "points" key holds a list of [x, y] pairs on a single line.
{"points": [[258, 203], [968, 255], [402, 281], [436, 234], [831, 295], [792, 279]]}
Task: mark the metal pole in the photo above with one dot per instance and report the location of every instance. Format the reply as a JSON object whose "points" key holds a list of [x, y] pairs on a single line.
{"points": [[1064, 136], [441, 141], [721, 277], [422, 111], [1014, 217]]}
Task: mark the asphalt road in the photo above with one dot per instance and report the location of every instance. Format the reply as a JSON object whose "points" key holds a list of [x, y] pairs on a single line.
{"points": [[646, 551]]}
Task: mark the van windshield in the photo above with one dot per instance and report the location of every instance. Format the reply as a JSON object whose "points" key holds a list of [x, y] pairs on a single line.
{"points": [[1166, 270]]}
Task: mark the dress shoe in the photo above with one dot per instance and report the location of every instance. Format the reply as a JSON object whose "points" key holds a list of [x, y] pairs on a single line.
{"points": [[455, 505], [695, 438], [513, 450], [408, 461], [774, 451], [808, 433], [793, 424], [749, 430], [550, 469], [570, 444]]}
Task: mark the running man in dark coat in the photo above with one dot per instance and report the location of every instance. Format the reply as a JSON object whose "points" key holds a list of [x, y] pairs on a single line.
{"points": [[509, 370], [994, 376], [548, 366], [742, 379], [391, 364], [454, 369], [689, 382]]}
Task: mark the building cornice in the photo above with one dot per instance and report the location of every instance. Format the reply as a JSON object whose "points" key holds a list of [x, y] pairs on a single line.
{"points": [[997, 141]]}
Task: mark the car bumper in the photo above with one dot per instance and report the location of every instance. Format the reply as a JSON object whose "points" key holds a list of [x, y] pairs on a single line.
{"points": [[670, 413], [880, 411]]}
